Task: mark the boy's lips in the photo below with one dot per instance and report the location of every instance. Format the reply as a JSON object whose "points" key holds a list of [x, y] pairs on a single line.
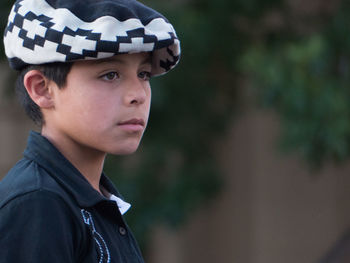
{"points": [[132, 125]]}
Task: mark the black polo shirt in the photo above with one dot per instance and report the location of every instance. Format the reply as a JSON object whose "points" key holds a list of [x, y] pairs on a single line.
{"points": [[50, 213]]}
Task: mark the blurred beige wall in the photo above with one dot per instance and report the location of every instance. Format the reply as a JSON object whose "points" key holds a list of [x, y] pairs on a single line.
{"points": [[272, 210], [14, 125]]}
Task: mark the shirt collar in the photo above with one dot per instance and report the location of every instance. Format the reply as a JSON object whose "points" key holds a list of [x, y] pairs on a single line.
{"points": [[42, 151]]}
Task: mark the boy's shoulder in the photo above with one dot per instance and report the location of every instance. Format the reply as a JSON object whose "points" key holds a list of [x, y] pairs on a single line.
{"points": [[27, 179]]}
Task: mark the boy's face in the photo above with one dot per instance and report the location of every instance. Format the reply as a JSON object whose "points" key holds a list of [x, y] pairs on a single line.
{"points": [[104, 105]]}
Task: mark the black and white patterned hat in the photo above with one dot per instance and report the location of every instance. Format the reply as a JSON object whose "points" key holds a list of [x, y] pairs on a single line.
{"points": [[44, 31]]}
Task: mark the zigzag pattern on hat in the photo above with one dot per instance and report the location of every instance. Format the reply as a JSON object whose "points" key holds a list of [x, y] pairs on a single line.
{"points": [[37, 33]]}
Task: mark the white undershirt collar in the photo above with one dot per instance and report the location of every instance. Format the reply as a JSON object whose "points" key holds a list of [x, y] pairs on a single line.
{"points": [[122, 205]]}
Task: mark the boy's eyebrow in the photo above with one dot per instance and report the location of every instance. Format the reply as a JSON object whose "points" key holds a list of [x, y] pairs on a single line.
{"points": [[147, 60]]}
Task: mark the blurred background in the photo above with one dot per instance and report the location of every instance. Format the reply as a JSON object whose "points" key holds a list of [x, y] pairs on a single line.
{"points": [[246, 157]]}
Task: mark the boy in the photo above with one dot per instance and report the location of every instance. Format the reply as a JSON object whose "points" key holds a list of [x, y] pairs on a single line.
{"points": [[84, 77]]}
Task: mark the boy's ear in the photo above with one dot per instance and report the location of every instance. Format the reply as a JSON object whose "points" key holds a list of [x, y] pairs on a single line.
{"points": [[38, 88]]}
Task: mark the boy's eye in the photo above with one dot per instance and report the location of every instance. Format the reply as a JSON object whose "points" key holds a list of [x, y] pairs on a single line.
{"points": [[145, 75], [110, 76]]}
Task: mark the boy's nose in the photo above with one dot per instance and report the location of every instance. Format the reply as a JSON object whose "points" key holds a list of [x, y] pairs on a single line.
{"points": [[136, 93]]}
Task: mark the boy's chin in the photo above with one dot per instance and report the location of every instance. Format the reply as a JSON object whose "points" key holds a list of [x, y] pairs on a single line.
{"points": [[124, 151]]}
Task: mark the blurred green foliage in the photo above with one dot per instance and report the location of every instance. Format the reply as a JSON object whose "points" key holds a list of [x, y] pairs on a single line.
{"points": [[5, 6], [305, 78]]}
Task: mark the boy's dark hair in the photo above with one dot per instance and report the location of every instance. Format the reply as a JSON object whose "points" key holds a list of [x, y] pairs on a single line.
{"points": [[56, 72]]}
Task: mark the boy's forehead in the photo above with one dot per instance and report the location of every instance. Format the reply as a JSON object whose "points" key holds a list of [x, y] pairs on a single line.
{"points": [[139, 59], [143, 58], [45, 31]]}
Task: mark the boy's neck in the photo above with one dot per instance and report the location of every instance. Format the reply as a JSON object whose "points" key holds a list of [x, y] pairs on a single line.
{"points": [[88, 161]]}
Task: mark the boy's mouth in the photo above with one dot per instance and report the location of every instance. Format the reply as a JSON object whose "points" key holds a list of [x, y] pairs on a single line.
{"points": [[132, 125]]}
